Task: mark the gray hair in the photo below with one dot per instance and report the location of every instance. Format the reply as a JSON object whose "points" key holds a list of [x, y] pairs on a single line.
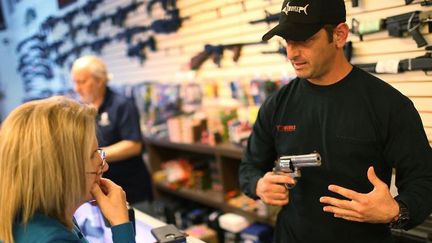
{"points": [[94, 65]]}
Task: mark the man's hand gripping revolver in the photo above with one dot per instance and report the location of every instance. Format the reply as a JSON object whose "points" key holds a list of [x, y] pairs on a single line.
{"points": [[273, 187]]}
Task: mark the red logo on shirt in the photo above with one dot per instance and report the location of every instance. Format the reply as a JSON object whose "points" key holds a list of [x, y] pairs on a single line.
{"points": [[286, 128]]}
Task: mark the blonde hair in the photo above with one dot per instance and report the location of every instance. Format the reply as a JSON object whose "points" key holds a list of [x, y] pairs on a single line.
{"points": [[94, 65], [44, 146]]}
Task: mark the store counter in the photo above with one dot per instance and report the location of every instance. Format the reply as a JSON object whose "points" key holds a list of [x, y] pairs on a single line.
{"points": [[92, 225]]}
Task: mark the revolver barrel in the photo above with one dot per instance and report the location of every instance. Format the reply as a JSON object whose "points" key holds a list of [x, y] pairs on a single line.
{"points": [[298, 161]]}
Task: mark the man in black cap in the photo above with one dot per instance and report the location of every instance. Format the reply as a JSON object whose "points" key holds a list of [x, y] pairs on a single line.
{"points": [[361, 127]]}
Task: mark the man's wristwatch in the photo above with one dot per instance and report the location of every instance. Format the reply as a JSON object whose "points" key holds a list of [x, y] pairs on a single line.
{"points": [[402, 218]]}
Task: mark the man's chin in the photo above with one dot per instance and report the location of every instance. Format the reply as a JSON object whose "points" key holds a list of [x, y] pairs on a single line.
{"points": [[86, 100], [302, 74]]}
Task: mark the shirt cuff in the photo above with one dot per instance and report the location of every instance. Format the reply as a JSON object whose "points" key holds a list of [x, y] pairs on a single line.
{"points": [[254, 181], [123, 233]]}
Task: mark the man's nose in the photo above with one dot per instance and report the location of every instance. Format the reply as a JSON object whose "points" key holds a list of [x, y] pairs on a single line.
{"points": [[292, 51], [76, 87], [105, 168]]}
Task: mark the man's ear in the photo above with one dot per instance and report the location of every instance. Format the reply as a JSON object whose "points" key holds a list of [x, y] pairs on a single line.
{"points": [[340, 35]]}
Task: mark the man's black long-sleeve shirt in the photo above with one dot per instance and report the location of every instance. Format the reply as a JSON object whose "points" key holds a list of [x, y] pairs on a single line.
{"points": [[358, 122]]}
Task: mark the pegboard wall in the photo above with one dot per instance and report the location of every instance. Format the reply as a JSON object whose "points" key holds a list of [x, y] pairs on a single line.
{"points": [[227, 22]]}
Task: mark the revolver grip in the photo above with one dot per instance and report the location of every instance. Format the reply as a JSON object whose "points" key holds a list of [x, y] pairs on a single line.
{"points": [[296, 174]]}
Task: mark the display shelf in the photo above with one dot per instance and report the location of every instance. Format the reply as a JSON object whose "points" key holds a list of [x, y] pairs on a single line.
{"points": [[252, 216], [223, 149], [213, 199], [208, 198], [227, 157], [196, 147], [229, 150]]}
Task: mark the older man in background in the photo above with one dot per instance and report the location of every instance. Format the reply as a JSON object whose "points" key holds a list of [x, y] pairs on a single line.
{"points": [[118, 128]]}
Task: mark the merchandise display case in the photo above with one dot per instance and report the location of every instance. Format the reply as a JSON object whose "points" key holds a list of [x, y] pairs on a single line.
{"points": [[226, 158]]}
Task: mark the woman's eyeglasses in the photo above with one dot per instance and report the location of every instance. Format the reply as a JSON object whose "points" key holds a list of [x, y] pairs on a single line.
{"points": [[102, 165]]}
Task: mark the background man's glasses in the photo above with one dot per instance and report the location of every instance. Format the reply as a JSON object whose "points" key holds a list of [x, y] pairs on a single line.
{"points": [[102, 165]]}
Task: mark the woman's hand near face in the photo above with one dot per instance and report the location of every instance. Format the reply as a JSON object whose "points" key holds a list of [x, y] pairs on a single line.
{"points": [[111, 199]]}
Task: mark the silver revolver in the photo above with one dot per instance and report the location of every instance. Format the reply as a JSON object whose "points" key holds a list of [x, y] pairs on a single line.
{"points": [[291, 164]]}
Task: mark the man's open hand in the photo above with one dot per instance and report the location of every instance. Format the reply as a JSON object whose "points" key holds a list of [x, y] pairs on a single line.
{"points": [[377, 206]]}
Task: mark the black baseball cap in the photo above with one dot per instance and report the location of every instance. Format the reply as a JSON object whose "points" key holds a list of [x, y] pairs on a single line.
{"points": [[301, 19]]}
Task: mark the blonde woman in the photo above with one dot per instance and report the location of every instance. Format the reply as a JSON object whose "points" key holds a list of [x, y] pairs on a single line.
{"points": [[50, 164]]}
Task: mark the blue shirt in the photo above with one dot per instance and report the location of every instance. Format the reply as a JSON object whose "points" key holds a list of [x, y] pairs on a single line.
{"points": [[118, 120], [43, 229]]}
